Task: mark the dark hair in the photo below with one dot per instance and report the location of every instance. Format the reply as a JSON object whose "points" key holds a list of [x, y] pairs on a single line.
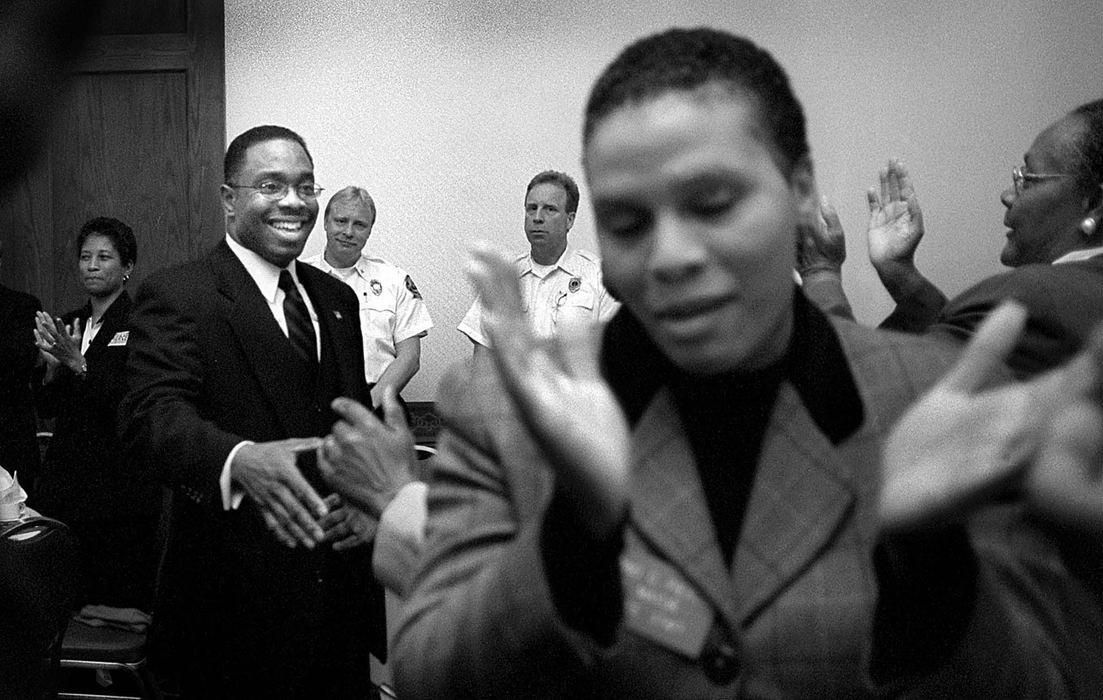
{"points": [[563, 180], [686, 59], [1087, 154], [235, 154], [121, 236], [352, 193]]}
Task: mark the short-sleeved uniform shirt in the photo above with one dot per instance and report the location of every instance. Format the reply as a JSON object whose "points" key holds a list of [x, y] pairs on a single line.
{"points": [[555, 296], [391, 308]]}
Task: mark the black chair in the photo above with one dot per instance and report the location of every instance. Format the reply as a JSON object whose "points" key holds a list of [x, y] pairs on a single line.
{"points": [[107, 649], [111, 650], [38, 567]]}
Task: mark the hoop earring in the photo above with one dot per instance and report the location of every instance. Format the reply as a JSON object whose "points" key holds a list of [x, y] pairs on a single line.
{"points": [[1087, 226]]}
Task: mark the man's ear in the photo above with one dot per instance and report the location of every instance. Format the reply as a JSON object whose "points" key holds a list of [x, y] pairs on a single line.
{"points": [[226, 193], [570, 220], [802, 184]]}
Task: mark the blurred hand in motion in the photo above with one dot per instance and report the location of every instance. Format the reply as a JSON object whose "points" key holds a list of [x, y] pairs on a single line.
{"points": [[821, 244], [895, 219], [1066, 481], [346, 526], [367, 460], [961, 443], [558, 390]]}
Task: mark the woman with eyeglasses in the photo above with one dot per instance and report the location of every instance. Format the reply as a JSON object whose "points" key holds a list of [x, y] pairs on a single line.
{"points": [[110, 505], [1054, 223]]}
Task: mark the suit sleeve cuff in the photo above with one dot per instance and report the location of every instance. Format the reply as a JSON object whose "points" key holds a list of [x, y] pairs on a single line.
{"points": [[231, 495]]}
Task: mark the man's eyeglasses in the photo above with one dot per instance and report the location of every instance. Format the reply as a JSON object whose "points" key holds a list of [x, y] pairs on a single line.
{"points": [[278, 190], [1024, 180]]}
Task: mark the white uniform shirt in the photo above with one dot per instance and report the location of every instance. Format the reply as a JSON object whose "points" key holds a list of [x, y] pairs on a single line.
{"points": [[555, 296], [391, 308]]}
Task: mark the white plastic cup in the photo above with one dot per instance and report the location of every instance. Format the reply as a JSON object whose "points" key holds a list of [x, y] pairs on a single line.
{"points": [[11, 511]]}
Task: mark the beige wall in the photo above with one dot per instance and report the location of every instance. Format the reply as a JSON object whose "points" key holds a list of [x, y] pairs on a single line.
{"points": [[444, 110]]}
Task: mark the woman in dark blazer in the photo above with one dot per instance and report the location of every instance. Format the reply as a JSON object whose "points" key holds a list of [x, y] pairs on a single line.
{"points": [[110, 504]]}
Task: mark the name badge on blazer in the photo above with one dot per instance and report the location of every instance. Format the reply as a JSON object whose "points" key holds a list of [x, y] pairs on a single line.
{"points": [[660, 606], [120, 338]]}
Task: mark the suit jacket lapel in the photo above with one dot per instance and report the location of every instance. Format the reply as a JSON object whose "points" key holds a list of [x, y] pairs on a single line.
{"points": [[111, 324], [668, 504], [802, 490], [266, 348]]}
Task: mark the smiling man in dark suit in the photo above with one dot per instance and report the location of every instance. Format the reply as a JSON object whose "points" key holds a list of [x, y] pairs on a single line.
{"points": [[235, 358]]}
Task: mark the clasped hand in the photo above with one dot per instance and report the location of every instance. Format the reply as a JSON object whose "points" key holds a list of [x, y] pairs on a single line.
{"points": [[365, 459], [270, 476]]}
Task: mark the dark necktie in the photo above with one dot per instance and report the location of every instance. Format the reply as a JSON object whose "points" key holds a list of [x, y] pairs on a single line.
{"points": [[300, 331]]}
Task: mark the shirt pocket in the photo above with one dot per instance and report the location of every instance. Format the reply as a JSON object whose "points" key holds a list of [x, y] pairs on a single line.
{"points": [[575, 307], [377, 317]]}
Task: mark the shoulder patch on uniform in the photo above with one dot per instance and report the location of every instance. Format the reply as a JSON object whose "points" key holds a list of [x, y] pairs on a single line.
{"points": [[412, 287]]}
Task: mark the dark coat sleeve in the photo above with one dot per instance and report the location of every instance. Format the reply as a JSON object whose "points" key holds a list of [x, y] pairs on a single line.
{"points": [[162, 417]]}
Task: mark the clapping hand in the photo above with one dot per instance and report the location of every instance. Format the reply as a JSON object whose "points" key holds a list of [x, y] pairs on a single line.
{"points": [[1066, 481], [821, 242], [563, 401], [960, 444], [895, 218], [57, 343]]}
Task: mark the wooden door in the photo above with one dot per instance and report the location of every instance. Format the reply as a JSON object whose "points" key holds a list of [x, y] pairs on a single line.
{"points": [[139, 136]]}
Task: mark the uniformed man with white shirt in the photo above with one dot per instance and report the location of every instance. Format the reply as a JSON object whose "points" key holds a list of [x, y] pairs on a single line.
{"points": [[393, 315], [561, 285]]}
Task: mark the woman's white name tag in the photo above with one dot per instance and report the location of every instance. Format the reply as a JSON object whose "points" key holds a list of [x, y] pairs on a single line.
{"points": [[660, 606]]}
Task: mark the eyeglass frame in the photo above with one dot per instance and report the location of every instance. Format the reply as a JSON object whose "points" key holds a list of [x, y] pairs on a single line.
{"points": [[1019, 178], [314, 191]]}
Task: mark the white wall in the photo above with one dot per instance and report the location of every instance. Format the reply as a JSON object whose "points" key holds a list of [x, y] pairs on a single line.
{"points": [[444, 110]]}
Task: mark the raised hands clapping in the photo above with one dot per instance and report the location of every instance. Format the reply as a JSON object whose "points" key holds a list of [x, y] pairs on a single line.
{"points": [[558, 390]]}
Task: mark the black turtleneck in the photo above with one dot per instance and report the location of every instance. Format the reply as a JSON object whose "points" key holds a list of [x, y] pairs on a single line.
{"points": [[724, 417], [926, 580]]}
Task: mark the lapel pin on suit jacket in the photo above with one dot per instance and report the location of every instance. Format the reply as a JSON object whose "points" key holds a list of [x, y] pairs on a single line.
{"points": [[337, 314]]}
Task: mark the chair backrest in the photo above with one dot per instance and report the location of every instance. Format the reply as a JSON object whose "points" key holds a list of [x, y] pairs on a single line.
{"points": [[38, 568]]}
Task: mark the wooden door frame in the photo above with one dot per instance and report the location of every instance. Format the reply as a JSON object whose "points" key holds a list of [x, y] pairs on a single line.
{"points": [[200, 54]]}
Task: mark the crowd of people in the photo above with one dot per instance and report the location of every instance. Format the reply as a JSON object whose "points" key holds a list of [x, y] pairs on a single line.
{"points": [[671, 471]]}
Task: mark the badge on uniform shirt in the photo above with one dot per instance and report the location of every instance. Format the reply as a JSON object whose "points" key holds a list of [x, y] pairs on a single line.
{"points": [[376, 287], [412, 287], [575, 284], [660, 606], [120, 339]]}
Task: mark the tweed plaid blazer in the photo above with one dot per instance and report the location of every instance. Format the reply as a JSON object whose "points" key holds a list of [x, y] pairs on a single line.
{"points": [[797, 606]]}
